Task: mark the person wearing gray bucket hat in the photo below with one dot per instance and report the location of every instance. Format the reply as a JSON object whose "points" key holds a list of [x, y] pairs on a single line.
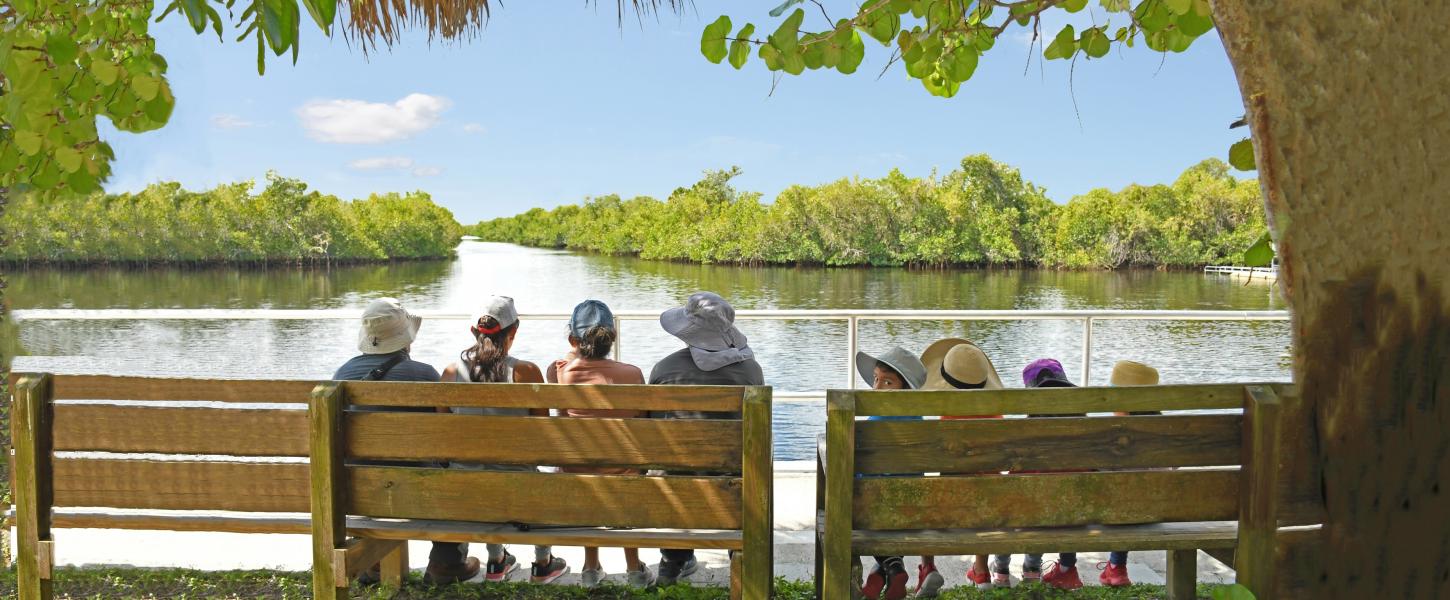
{"points": [[715, 353], [384, 340]]}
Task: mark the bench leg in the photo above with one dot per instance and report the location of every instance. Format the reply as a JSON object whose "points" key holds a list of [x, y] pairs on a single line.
{"points": [[1182, 574], [395, 567], [820, 564], [737, 579]]}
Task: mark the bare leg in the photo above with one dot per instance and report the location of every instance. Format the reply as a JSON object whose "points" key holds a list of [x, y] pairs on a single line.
{"points": [[929, 561], [632, 561], [591, 559]]}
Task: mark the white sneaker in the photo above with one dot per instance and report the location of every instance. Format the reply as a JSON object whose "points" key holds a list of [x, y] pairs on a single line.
{"points": [[642, 578], [591, 577]]}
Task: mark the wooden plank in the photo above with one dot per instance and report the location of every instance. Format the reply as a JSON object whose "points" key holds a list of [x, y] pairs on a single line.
{"points": [[1301, 485], [360, 554], [181, 485], [757, 563], [394, 567], [174, 430], [33, 481], [111, 387], [836, 576], [45, 558], [543, 499], [988, 445], [556, 441], [709, 398], [737, 589], [329, 494], [1047, 499], [820, 555], [504, 533], [1222, 555], [1301, 560], [1259, 506], [1050, 401], [1182, 575], [1085, 538], [171, 522]]}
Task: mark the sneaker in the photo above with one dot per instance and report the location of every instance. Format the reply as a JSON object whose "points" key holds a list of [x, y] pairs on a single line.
{"points": [[671, 572], [1058, 577], [896, 579], [875, 582], [981, 579], [928, 581], [642, 578], [856, 591], [1114, 575], [549, 571], [373, 576], [467, 571], [499, 570], [591, 577], [1030, 577], [1001, 580]]}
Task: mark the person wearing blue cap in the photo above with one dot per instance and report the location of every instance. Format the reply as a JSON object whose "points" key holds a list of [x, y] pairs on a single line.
{"points": [[592, 333]]}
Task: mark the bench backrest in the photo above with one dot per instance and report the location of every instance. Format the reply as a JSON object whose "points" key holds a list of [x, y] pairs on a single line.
{"points": [[153, 443], [1063, 470], [731, 453]]}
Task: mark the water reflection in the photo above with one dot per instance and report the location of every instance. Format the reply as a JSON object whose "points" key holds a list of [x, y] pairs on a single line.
{"points": [[796, 355]]}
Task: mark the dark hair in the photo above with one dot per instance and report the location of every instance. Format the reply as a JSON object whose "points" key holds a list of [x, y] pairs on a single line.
{"points": [[893, 371], [485, 359], [596, 342]]}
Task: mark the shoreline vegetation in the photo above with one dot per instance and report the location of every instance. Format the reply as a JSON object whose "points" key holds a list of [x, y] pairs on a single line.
{"points": [[983, 214], [282, 225]]}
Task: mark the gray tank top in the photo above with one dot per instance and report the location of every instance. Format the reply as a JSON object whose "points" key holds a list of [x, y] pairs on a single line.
{"points": [[461, 374]]}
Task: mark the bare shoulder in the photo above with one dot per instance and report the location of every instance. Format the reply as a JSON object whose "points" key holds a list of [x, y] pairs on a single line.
{"points": [[527, 372], [450, 373]]}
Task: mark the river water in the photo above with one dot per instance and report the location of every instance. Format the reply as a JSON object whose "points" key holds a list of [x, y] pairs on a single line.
{"points": [[796, 355]]}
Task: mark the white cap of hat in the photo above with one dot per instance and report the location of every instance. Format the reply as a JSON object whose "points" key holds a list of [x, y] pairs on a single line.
{"points": [[501, 308], [387, 327]]}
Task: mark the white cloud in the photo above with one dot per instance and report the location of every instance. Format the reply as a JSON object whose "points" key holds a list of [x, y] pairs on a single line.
{"points": [[230, 121], [427, 171], [381, 163], [346, 121], [474, 128]]}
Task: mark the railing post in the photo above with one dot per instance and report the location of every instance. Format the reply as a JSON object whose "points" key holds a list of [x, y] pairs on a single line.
{"points": [[757, 475], [1259, 492], [835, 575], [1087, 351], [618, 340], [31, 416], [329, 516], [851, 323]]}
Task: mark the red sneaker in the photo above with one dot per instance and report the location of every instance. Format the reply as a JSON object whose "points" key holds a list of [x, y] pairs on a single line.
{"points": [[874, 583], [1114, 575], [1063, 579], [982, 579], [928, 581]]}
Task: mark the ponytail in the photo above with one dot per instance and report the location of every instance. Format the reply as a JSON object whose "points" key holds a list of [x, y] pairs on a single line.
{"points": [[596, 342], [485, 359]]}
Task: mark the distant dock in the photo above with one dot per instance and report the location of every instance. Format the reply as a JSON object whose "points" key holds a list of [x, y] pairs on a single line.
{"points": [[1265, 274]]}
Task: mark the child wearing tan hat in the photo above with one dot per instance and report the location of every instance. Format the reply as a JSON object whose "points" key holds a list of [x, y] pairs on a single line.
{"points": [[1125, 373]]}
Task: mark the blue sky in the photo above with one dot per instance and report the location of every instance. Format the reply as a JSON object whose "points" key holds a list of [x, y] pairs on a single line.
{"points": [[551, 104]]}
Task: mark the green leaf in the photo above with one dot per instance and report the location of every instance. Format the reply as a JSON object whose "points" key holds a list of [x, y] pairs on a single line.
{"points": [[279, 24], [68, 159], [794, 63], [787, 37], [1241, 155], [1235, 591], [780, 10], [771, 56], [740, 50], [1116, 5], [322, 11], [1073, 6], [145, 86], [883, 26], [963, 64], [1178, 7], [82, 182], [105, 71], [1062, 46], [1095, 43], [852, 54], [712, 41], [28, 142], [1193, 24], [62, 48]]}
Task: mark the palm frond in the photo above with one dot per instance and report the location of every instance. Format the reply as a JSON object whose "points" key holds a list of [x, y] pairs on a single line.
{"points": [[382, 22]]}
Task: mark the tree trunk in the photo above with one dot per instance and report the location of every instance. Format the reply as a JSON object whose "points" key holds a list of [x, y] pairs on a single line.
{"points": [[1349, 101]]}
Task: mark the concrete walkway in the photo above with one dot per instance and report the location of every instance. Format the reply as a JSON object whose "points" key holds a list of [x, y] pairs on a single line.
{"points": [[794, 552]]}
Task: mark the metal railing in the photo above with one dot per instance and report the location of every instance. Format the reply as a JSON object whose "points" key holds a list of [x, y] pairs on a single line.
{"points": [[852, 319], [1229, 269]]}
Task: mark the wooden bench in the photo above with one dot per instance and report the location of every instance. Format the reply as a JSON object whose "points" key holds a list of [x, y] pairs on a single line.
{"points": [[187, 446], [1176, 482], [728, 509]]}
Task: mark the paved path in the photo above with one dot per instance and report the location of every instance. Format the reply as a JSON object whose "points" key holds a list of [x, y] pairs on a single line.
{"points": [[795, 529]]}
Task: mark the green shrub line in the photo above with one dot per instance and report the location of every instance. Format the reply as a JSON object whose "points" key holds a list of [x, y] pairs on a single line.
{"points": [[982, 214], [106, 583], [284, 223]]}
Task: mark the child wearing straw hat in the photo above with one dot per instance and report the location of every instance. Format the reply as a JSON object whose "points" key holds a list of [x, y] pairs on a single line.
{"points": [[895, 369], [1125, 373]]}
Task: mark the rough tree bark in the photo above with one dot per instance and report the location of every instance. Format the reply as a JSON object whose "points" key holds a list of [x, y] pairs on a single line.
{"points": [[1349, 101]]}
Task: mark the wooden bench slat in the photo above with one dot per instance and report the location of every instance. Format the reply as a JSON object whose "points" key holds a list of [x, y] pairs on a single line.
{"points": [[503, 533], [1050, 401], [545, 498], [110, 387], [1059, 443], [643, 443], [182, 485], [1047, 499], [1086, 538], [180, 430], [542, 395]]}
